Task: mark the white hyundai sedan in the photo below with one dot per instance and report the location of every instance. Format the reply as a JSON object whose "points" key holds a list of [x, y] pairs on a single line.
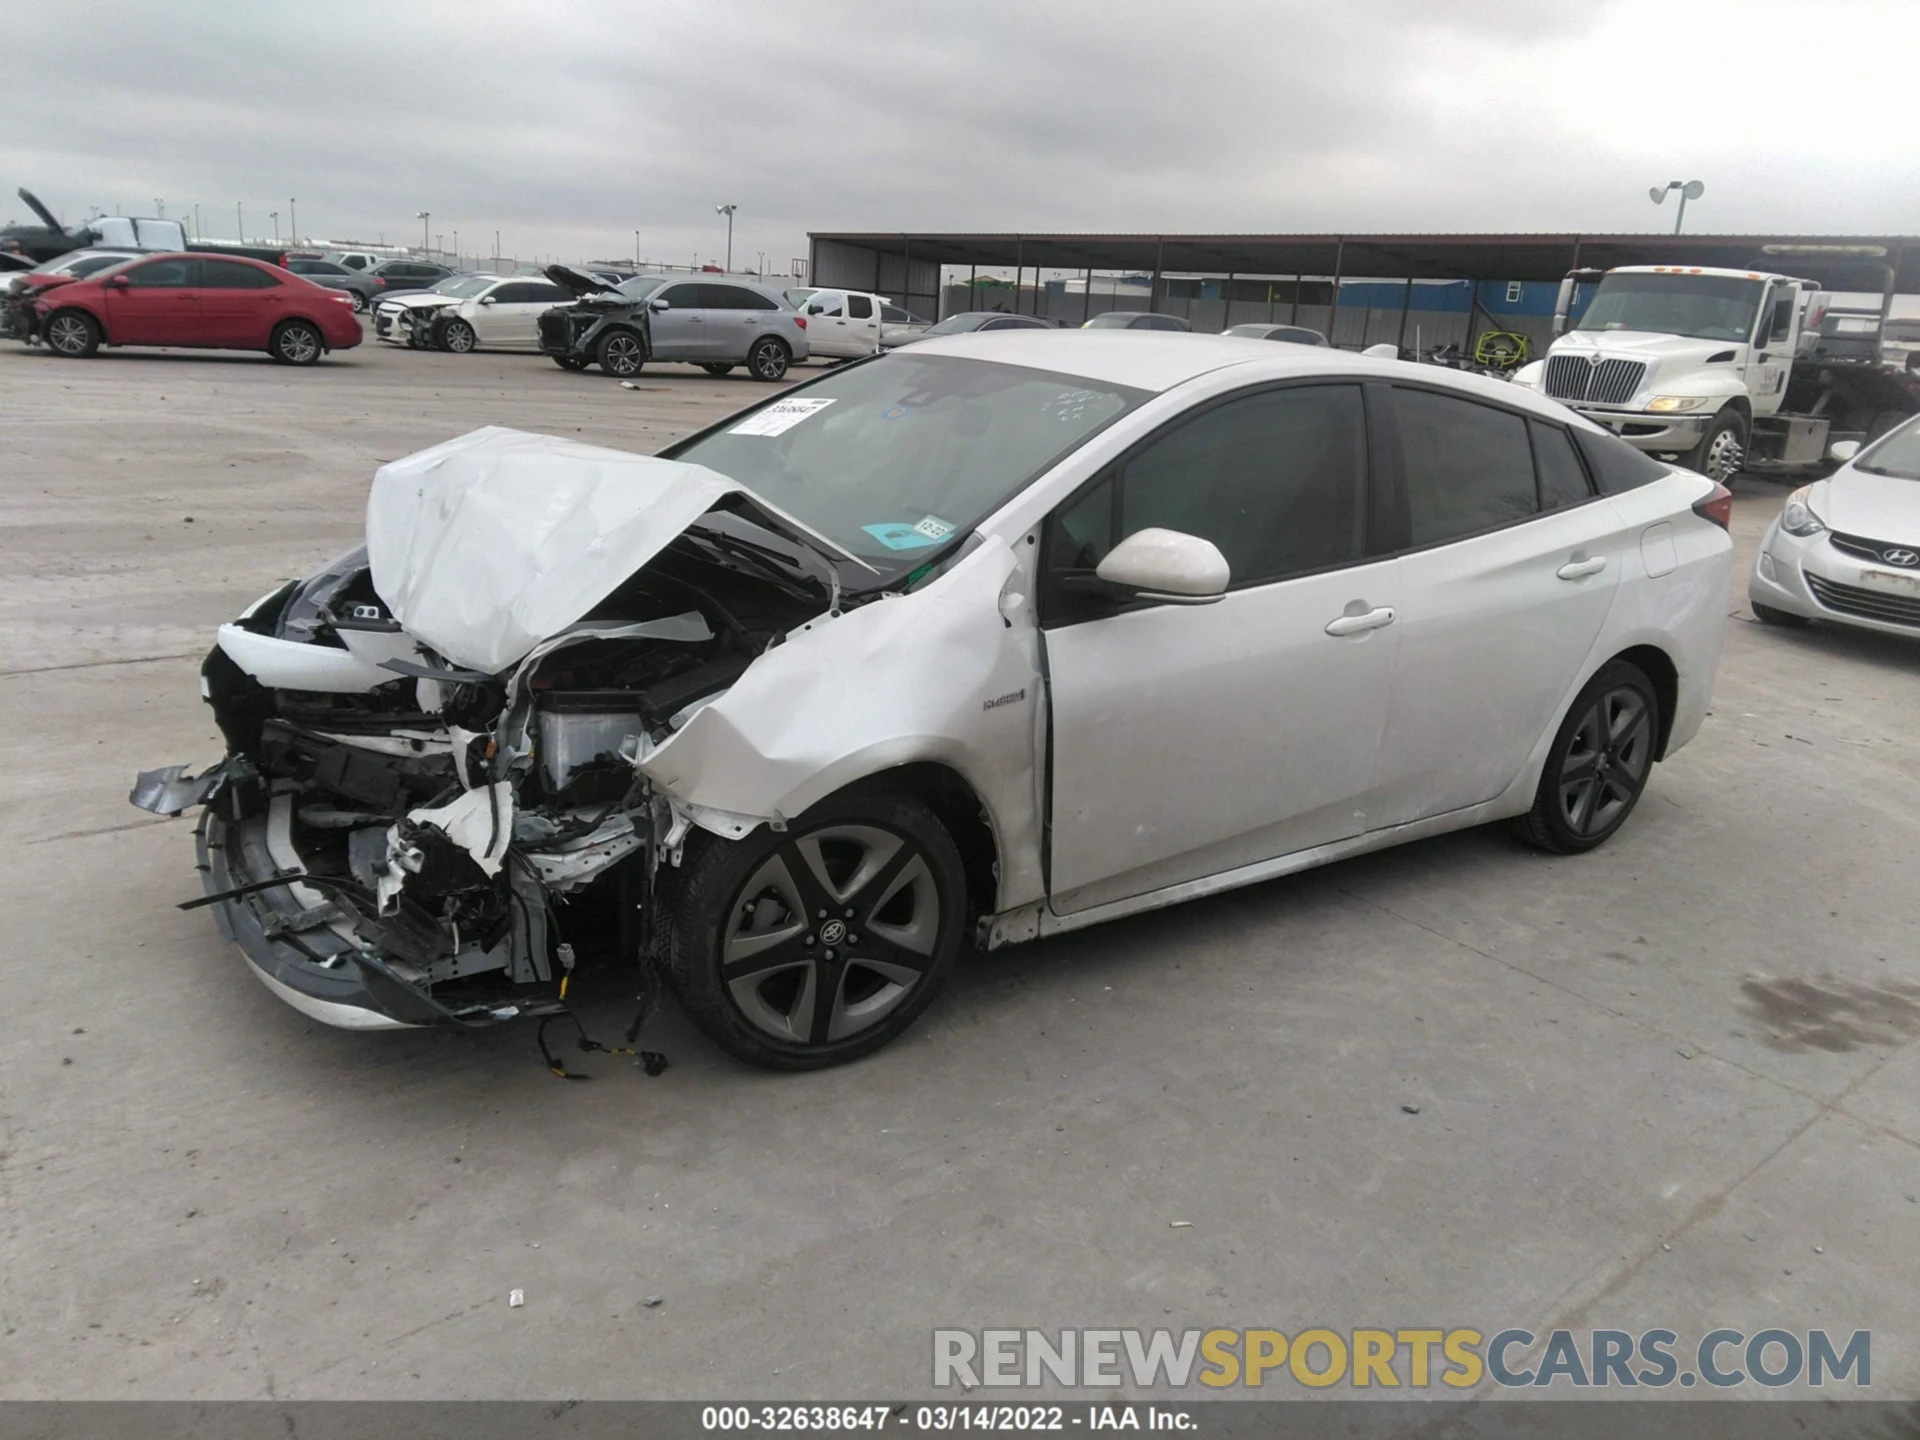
{"points": [[1847, 548], [980, 641]]}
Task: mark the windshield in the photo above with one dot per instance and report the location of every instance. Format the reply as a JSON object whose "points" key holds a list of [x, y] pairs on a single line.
{"points": [[462, 287], [1898, 454], [959, 324], [797, 296], [641, 286], [1112, 320], [893, 457], [1702, 307]]}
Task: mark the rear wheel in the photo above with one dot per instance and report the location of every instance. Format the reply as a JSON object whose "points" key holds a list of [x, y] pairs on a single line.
{"points": [[621, 353], [457, 336], [769, 358], [359, 302], [718, 369], [1767, 615], [1599, 762], [296, 342], [72, 333], [1721, 450], [805, 948]]}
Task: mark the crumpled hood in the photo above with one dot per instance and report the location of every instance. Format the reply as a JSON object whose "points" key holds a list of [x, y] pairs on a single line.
{"points": [[578, 282], [486, 545], [1878, 507]]}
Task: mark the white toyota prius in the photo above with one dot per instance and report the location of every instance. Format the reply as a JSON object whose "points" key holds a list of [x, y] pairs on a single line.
{"points": [[980, 641]]}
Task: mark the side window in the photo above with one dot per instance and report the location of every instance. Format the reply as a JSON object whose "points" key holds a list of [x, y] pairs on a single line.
{"points": [[1562, 481], [859, 307], [1275, 480], [683, 297], [1468, 466], [225, 275], [1782, 320], [1617, 467], [523, 294], [736, 297], [163, 275], [827, 303], [1166, 322]]}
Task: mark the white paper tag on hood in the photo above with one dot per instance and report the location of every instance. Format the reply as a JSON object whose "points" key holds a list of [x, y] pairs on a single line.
{"points": [[488, 544]]}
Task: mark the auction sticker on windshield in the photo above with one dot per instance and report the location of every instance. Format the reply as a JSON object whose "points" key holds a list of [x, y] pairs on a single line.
{"points": [[779, 417]]}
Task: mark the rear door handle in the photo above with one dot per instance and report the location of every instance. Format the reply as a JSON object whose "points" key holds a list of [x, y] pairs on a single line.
{"points": [[1581, 568], [1354, 624]]}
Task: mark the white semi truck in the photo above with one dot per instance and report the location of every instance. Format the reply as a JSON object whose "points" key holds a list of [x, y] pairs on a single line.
{"points": [[1724, 370]]}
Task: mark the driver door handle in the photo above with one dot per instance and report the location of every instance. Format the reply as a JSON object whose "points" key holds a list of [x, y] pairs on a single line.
{"points": [[1354, 624], [1580, 568]]}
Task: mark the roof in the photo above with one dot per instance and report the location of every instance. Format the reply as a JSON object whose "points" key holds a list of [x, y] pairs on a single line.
{"points": [[1158, 360], [1540, 256]]}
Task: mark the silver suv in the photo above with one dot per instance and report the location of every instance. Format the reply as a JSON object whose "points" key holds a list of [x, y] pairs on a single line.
{"points": [[715, 323]]}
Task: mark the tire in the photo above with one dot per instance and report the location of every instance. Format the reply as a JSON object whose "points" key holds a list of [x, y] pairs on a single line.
{"points": [[783, 991], [769, 358], [360, 304], [296, 342], [621, 353], [718, 369], [570, 362], [72, 333], [1721, 450], [455, 335], [1785, 619], [1599, 763]]}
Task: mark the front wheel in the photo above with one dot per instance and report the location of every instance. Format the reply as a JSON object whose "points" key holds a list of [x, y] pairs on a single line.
{"points": [[769, 358], [1722, 449], [622, 354], [1599, 762], [718, 369], [805, 948], [457, 336], [296, 343], [72, 333]]}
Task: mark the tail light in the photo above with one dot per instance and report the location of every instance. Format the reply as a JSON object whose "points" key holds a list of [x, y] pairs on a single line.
{"points": [[801, 321], [1717, 507]]}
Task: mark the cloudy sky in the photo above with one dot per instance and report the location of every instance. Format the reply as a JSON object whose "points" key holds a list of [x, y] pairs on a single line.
{"points": [[568, 126]]}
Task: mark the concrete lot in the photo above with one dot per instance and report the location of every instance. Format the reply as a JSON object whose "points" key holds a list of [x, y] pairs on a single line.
{"points": [[1673, 1083]]}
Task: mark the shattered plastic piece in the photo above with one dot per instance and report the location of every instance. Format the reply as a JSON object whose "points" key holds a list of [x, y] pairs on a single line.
{"points": [[169, 791], [1180, 1224], [653, 1302], [1411, 1109], [516, 1298]]}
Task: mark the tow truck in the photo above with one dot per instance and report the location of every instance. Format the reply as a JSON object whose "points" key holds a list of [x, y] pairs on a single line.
{"points": [[1728, 370]]}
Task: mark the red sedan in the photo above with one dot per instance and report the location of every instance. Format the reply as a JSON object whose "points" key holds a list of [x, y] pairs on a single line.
{"points": [[212, 302]]}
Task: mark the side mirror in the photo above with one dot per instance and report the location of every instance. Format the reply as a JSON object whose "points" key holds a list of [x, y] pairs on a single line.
{"points": [[1843, 450], [118, 282], [1382, 352], [1169, 566], [488, 300], [816, 309], [660, 305]]}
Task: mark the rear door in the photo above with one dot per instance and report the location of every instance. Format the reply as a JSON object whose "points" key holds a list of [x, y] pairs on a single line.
{"points": [[1511, 564], [863, 324], [679, 332], [1193, 739], [160, 304], [735, 318], [239, 304]]}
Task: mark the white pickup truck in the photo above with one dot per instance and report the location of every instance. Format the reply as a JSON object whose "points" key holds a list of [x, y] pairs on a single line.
{"points": [[846, 324], [1723, 370]]}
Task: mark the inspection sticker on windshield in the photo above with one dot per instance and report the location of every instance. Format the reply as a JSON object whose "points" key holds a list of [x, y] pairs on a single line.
{"points": [[901, 536], [779, 417]]}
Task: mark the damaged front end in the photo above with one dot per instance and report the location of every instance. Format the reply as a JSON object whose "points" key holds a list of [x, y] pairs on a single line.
{"points": [[432, 807]]}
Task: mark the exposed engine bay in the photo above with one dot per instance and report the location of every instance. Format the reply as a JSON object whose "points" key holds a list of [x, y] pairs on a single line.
{"points": [[408, 832]]}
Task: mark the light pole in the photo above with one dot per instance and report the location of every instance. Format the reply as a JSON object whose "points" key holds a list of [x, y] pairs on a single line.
{"points": [[1689, 190], [456, 249], [293, 223], [727, 210], [425, 217], [274, 216], [161, 206], [240, 222]]}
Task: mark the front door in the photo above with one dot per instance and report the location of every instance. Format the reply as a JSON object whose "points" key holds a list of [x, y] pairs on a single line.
{"points": [[1512, 565], [678, 332], [1772, 349], [1193, 739], [827, 325], [512, 322], [159, 305]]}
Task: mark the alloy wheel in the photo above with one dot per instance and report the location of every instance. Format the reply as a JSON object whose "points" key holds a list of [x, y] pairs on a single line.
{"points": [[1606, 762], [459, 337], [830, 934], [769, 360], [621, 354], [67, 334], [299, 345]]}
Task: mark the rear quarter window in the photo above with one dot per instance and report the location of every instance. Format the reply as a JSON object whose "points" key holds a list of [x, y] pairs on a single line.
{"points": [[1616, 466]]}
